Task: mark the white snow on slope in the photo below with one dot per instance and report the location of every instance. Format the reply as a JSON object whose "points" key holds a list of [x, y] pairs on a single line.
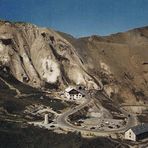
{"points": [[51, 71]]}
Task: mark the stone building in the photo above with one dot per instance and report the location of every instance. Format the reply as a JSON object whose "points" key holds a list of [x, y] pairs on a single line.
{"points": [[136, 133]]}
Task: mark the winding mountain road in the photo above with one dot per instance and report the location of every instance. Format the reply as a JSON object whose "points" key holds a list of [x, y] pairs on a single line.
{"points": [[63, 122]]}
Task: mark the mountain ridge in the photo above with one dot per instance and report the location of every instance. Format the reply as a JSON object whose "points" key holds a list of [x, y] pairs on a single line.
{"points": [[23, 43], [42, 57]]}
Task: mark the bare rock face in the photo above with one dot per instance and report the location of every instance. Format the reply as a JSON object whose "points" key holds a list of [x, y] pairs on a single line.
{"points": [[39, 56]]}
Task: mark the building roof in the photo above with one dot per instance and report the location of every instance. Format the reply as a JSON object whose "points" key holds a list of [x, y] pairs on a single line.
{"points": [[140, 129], [73, 90], [68, 89]]}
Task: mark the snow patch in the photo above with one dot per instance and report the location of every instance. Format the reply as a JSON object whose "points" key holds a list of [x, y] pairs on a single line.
{"points": [[51, 70], [109, 89], [105, 67], [1, 48], [80, 79], [4, 59]]}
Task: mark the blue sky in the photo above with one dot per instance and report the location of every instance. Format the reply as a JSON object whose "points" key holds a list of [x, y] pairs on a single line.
{"points": [[78, 17]]}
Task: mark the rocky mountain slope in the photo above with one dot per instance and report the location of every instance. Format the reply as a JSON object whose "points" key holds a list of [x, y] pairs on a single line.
{"points": [[119, 60], [42, 57]]}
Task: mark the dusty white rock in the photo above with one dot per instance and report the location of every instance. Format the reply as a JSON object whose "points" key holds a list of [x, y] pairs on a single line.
{"points": [[39, 55]]}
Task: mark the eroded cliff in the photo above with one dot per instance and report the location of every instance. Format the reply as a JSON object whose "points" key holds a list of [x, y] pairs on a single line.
{"points": [[40, 57]]}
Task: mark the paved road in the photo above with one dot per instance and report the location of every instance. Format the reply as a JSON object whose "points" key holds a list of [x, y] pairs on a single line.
{"points": [[62, 121]]}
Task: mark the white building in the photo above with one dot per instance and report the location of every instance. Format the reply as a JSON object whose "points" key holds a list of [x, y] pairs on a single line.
{"points": [[130, 135], [137, 132], [74, 94], [46, 121]]}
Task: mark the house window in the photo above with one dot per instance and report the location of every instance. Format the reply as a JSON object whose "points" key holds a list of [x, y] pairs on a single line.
{"points": [[129, 134], [80, 95]]}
